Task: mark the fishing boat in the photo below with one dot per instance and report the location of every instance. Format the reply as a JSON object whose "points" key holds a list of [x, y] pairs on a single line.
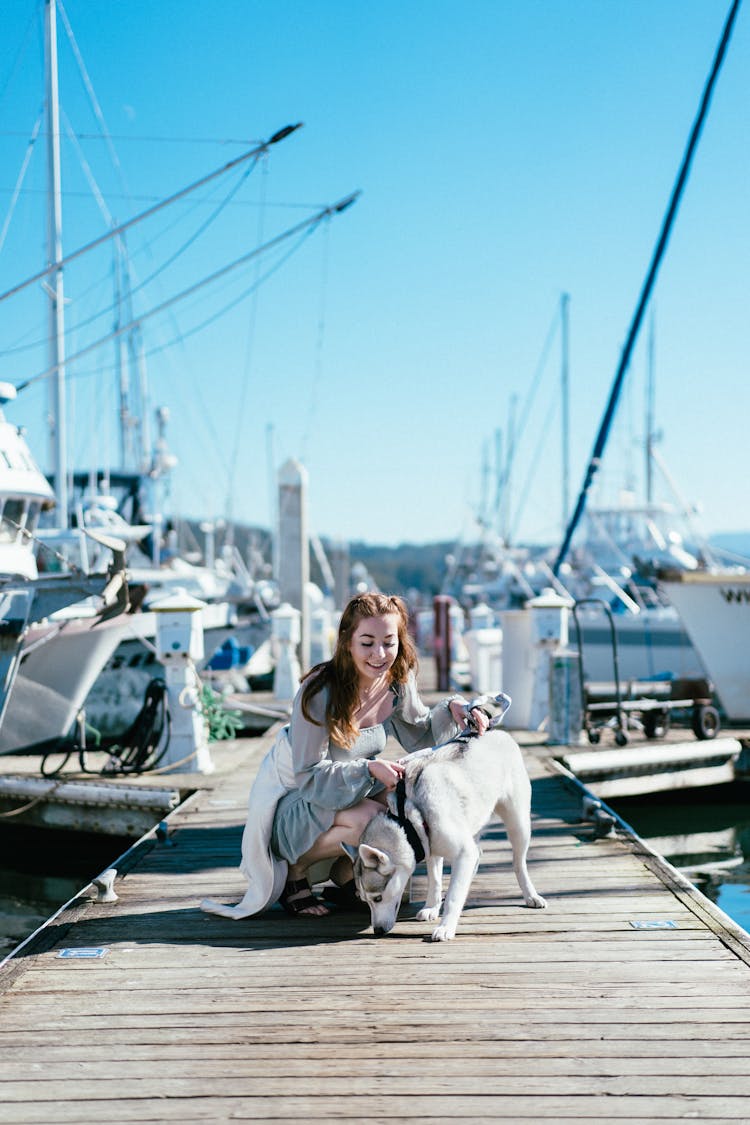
{"points": [[714, 605]]}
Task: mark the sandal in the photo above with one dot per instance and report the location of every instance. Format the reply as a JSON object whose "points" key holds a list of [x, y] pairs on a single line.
{"points": [[295, 901], [345, 896]]}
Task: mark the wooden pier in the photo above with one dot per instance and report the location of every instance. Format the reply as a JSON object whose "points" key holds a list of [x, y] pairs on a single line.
{"points": [[627, 999]]}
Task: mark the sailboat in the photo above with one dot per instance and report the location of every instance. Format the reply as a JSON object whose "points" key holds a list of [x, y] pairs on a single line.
{"points": [[58, 628], [47, 663], [231, 589], [609, 568]]}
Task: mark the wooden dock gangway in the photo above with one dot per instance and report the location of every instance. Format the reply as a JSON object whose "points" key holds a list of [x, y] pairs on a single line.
{"points": [[627, 999]]}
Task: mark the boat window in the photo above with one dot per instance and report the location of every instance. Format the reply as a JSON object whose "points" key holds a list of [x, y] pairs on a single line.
{"points": [[12, 520], [33, 516]]}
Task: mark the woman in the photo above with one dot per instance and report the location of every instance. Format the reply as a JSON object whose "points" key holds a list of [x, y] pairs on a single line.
{"points": [[323, 781]]}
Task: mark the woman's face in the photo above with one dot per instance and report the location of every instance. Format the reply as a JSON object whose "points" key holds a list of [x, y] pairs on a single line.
{"points": [[374, 646]]}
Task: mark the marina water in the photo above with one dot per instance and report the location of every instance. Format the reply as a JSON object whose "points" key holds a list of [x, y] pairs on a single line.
{"points": [[705, 834], [42, 870]]}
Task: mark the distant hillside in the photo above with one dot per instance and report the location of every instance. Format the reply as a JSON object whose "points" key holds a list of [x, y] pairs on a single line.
{"points": [[409, 566], [393, 569], [738, 542]]}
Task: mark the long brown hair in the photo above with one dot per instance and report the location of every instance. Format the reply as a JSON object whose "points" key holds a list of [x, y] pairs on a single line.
{"points": [[339, 674]]}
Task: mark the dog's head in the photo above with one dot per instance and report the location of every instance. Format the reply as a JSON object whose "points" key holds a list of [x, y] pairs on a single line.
{"points": [[380, 882]]}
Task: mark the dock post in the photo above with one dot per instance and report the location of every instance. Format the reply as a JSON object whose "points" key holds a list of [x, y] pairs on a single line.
{"points": [[294, 547], [339, 554], [565, 699], [285, 635], [530, 635], [179, 643], [442, 641]]}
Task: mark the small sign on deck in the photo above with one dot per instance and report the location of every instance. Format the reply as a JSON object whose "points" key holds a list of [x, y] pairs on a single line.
{"points": [[85, 951], [655, 924]]}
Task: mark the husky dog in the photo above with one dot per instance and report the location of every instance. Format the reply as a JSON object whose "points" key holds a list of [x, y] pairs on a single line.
{"points": [[447, 796]]}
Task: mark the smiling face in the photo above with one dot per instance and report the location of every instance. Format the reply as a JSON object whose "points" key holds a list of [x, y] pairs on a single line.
{"points": [[374, 647]]}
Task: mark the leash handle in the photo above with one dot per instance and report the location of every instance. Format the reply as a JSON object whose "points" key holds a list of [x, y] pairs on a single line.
{"points": [[493, 706]]}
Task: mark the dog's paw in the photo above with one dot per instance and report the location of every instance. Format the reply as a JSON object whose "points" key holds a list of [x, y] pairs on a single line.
{"points": [[536, 902], [443, 933], [428, 914]]}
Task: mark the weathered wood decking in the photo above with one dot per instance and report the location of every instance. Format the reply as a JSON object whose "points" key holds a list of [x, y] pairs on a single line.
{"points": [[567, 1014]]}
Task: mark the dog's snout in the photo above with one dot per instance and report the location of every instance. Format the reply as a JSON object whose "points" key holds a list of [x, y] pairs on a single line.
{"points": [[379, 931]]}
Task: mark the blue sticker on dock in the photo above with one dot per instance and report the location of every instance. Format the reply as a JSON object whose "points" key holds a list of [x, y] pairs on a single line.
{"points": [[654, 925], [85, 951]]}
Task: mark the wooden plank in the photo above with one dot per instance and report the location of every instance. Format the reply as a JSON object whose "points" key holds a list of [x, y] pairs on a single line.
{"points": [[519, 1056], [378, 1106], [572, 1037], [143, 1064], [355, 1086], [128, 1007]]}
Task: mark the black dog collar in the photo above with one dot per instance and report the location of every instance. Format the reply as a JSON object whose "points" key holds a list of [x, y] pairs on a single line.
{"points": [[401, 818]]}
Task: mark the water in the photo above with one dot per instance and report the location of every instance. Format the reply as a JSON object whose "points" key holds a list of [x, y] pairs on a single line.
{"points": [[705, 834], [41, 870]]}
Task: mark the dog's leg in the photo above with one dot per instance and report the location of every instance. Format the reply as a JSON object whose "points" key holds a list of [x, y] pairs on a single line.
{"points": [[463, 865], [430, 912], [518, 826]]}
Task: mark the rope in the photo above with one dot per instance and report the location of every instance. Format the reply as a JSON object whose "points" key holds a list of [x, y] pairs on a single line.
{"points": [[30, 804], [143, 745], [67, 564], [142, 748]]}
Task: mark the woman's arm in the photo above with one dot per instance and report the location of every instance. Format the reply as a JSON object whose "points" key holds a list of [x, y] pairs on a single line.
{"points": [[333, 785], [417, 726]]}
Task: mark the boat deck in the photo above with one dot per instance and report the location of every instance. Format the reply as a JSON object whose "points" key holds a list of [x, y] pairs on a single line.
{"points": [[628, 998]]}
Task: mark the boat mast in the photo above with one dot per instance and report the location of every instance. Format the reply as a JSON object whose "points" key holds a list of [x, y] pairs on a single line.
{"points": [[565, 391], [650, 435], [58, 421], [645, 294], [509, 457], [121, 363]]}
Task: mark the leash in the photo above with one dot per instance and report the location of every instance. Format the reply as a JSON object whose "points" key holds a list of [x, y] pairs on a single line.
{"points": [[500, 704]]}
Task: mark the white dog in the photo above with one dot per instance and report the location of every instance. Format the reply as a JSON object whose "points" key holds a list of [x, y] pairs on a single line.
{"points": [[448, 795]]}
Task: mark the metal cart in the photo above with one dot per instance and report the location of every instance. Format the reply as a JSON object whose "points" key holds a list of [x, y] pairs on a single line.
{"points": [[640, 705]]}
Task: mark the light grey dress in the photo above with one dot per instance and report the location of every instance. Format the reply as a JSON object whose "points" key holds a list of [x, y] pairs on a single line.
{"points": [[329, 778]]}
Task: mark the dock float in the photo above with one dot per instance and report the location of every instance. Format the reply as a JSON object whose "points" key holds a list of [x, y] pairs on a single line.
{"points": [[654, 767], [627, 999]]}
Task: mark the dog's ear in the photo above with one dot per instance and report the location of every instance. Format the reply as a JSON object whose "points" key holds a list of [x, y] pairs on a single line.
{"points": [[373, 857], [350, 851]]}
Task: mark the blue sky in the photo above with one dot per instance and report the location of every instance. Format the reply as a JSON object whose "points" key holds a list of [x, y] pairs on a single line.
{"points": [[506, 154]]}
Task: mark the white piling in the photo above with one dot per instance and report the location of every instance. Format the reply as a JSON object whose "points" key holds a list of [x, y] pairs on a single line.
{"points": [[179, 643], [294, 547]]}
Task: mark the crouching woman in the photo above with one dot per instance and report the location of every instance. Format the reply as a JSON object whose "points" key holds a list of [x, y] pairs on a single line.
{"points": [[324, 779]]}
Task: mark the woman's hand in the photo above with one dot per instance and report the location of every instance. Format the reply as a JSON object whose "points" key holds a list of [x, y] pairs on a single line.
{"points": [[461, 713], [388, 773]]}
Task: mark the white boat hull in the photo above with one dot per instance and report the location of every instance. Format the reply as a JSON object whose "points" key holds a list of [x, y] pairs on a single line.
{"points": [[60, 663], [715, 608], [117, 696]]}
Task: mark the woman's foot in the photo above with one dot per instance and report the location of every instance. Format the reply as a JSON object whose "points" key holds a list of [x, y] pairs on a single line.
{"points": [[297, 899]]}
